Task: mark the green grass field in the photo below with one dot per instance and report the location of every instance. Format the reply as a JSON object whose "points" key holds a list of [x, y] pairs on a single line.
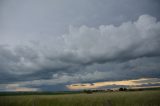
{"points": [[131, 98]]}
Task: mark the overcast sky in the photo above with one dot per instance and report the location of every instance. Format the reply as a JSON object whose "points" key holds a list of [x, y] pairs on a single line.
{"points": [[50, 44]]}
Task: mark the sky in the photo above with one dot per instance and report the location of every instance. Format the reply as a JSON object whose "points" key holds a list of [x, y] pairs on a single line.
{"points": [[56, 45]]}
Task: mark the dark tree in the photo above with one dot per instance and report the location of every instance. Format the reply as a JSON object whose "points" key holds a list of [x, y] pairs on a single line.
{"points": [[88, 91], [122, 89]]}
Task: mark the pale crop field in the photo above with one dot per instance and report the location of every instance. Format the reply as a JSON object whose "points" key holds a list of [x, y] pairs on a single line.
{"points": [[134, 98]]}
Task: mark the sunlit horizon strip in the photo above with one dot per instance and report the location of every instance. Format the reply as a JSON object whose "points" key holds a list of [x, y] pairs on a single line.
{"points": [[130, 83]]}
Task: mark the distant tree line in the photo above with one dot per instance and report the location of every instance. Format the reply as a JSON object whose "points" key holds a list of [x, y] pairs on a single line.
{"points": [[122, 89], [92, 91], [108, 90]]}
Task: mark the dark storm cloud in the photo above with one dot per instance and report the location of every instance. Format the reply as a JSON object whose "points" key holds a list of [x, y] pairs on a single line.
{"points": [[106, 40], [107, 44]]}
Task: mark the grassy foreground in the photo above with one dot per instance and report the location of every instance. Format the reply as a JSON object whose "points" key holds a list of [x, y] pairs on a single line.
{"points": [[136, 98]]}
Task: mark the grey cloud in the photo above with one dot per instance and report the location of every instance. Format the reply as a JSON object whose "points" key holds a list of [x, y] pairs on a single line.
{"points": [[129, 40], [106, 41], [54, 16], [86, 54]]}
